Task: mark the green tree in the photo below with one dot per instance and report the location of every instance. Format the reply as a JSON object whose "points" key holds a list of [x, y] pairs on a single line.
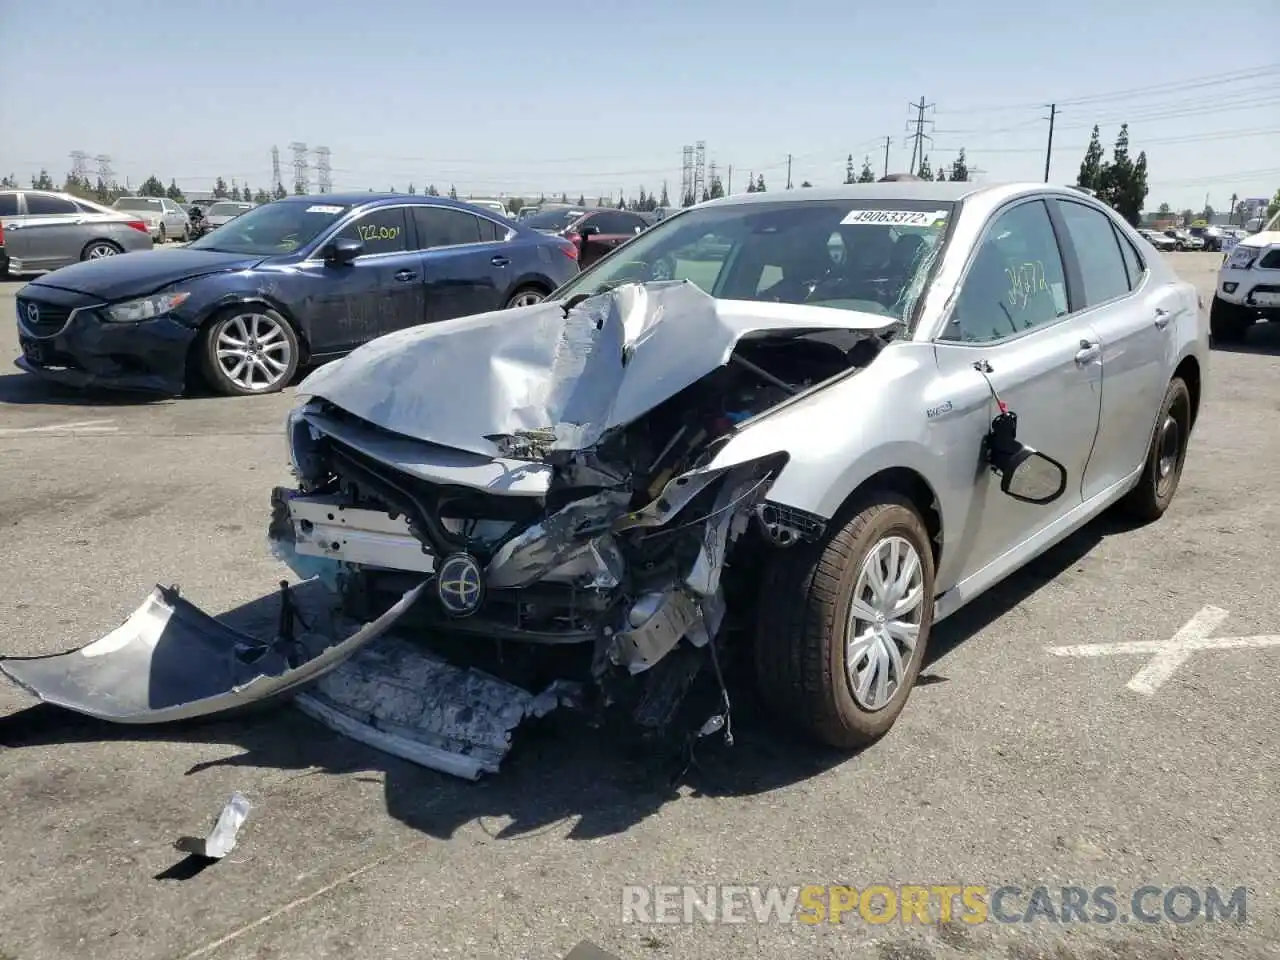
{"points": [[9, 181], [960, 167], [666, 200], [151, 187], [262, 197], [717, 189], [1122, 183], [687, 200], [245, 193], [279, 193], [564, 198], [866, 176], [42, 182], [1091, 167], [1207, 214], [848, 170], [220, 189], [1164, 210], [1274, 206], [643, 200], [751, 183], [174, 192], [926, 171], [453, 192], [515, 204], [941, 174], [582, 200], [760, 183], [432, 191], [622, 203], [806, 184]]}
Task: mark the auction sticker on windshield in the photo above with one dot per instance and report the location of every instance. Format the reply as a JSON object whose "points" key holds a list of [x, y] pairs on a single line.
{"points": [[904, 218], [323, 208]]}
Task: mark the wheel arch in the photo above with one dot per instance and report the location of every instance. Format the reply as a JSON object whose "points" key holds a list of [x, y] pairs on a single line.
{"points": [[526, 280], [911, 484]]}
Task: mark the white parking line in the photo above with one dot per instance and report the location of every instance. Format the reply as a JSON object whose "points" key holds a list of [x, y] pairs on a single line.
{"points": [[80, 426], [1168, 655]]}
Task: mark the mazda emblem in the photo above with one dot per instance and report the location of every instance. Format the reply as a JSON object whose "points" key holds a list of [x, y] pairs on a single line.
{"points": [[33, 314]]}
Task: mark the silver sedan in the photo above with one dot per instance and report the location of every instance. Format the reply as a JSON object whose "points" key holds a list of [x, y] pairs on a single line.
{"points": [[44, 230]]}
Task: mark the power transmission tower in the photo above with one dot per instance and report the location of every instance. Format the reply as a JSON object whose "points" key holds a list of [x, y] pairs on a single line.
{"points": [[105, 173], [324, 173], [80, 166], [301, 175], [887, 141], [918, 137], [686, 175], [699, 170], [276, 183], [1048, 152]]}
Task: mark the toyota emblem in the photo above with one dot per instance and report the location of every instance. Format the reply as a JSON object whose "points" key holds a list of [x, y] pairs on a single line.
{"points": [[460, 585], [33, 313]]}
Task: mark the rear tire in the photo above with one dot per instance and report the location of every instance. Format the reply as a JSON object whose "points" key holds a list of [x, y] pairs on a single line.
{"points": [[1228, 322], [805, 628], [97, 249], [1162, 470], [525, 297]]}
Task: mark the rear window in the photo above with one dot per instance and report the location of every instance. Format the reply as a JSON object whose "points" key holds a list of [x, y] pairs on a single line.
{"points": [[138, 203], [228, 209], [555, 220]]}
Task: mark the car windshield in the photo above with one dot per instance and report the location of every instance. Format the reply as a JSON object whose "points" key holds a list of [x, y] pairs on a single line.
{"points": [[227, 209], [553, 220], [138, 203], [272, 229], [848, 254]]}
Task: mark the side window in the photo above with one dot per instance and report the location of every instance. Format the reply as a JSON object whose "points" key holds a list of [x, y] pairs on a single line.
{"points": [[491, 231], [381, 231], [445, 227], [1016, 281], [8, 204], [1098, 250], [1132, 261], [43, 205], [615, 223]]}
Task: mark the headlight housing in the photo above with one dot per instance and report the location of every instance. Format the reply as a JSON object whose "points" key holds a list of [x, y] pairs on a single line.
{"points": [[145, 308]]}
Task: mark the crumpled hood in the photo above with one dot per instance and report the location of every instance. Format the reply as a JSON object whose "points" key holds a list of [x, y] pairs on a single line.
{"points": [[610, 360]]}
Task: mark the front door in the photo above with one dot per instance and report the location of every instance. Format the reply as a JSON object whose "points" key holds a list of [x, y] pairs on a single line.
{"points": [[465, 269], [1012, 317], [380, 291], [610, 229], [1135, 321]]}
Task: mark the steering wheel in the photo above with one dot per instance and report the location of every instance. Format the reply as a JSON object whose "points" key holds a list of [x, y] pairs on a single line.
{"points": [[833, 287]]}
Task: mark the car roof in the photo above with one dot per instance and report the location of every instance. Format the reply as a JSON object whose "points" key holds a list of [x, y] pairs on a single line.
{"points": [[944, 191], [377, 199]]}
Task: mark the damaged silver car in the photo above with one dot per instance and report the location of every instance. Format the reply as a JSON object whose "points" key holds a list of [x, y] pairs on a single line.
{"points": [[794, 427]]}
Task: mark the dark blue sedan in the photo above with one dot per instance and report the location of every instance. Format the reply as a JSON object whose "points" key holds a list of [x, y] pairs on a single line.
{"points": [[295, 282]]}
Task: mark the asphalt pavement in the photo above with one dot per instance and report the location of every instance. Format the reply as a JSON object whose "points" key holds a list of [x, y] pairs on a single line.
{"points": [[1012, 764]]}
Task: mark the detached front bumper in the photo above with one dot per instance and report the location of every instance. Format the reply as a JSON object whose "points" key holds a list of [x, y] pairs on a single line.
{"points": [[150, 356]]}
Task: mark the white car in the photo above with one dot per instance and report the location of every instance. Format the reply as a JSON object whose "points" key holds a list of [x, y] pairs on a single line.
{"points": [[164, 217], [224, 211], [1248, 286], [491, 206]]}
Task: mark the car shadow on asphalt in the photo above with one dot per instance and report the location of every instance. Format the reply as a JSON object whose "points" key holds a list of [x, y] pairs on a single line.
{"points": [[560, 767], [26, 389], [1261, 338]]}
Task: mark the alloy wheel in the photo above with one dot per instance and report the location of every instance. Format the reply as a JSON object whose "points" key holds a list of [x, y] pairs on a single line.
{"points": [[884, 622], [526, 298], [100, 250], [253, 351]]}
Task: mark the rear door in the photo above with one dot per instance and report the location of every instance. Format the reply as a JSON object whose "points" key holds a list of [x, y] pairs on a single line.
{"points": [[1012, 314], [380, 291], [50, 234], [1136, 320], [465, 265], [10, 221]]}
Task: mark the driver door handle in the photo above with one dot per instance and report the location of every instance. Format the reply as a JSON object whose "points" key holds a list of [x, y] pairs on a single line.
{"points": [[403, 275], [1163, 317], [500, 261], [1089, 351]]}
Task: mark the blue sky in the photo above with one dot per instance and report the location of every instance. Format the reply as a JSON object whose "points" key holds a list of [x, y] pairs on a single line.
{"points": [[597, 96]]}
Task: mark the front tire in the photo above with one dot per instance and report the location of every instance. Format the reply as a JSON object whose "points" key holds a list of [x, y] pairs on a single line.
{"points": [[525, 297], [845, 623], [1228, 322], [248, 351], [1167, 453]]}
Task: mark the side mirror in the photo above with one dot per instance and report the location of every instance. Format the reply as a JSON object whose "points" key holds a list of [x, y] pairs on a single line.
{"points": [[588, 231], [1033, 477], [343, 251], [1025, 474]]}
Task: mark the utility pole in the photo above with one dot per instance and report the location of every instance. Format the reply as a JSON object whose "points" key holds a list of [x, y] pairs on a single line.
{"points": [[1048, 153], [788, 171], [887, 141], [728, 190]]}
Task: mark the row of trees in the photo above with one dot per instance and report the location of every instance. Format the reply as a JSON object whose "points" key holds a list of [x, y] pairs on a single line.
{"points": [[1120, 182], [103, 192], [959, 170]]}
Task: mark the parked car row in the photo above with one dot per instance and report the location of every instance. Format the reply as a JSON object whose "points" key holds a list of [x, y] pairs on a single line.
{"points": [[44, 230]]}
